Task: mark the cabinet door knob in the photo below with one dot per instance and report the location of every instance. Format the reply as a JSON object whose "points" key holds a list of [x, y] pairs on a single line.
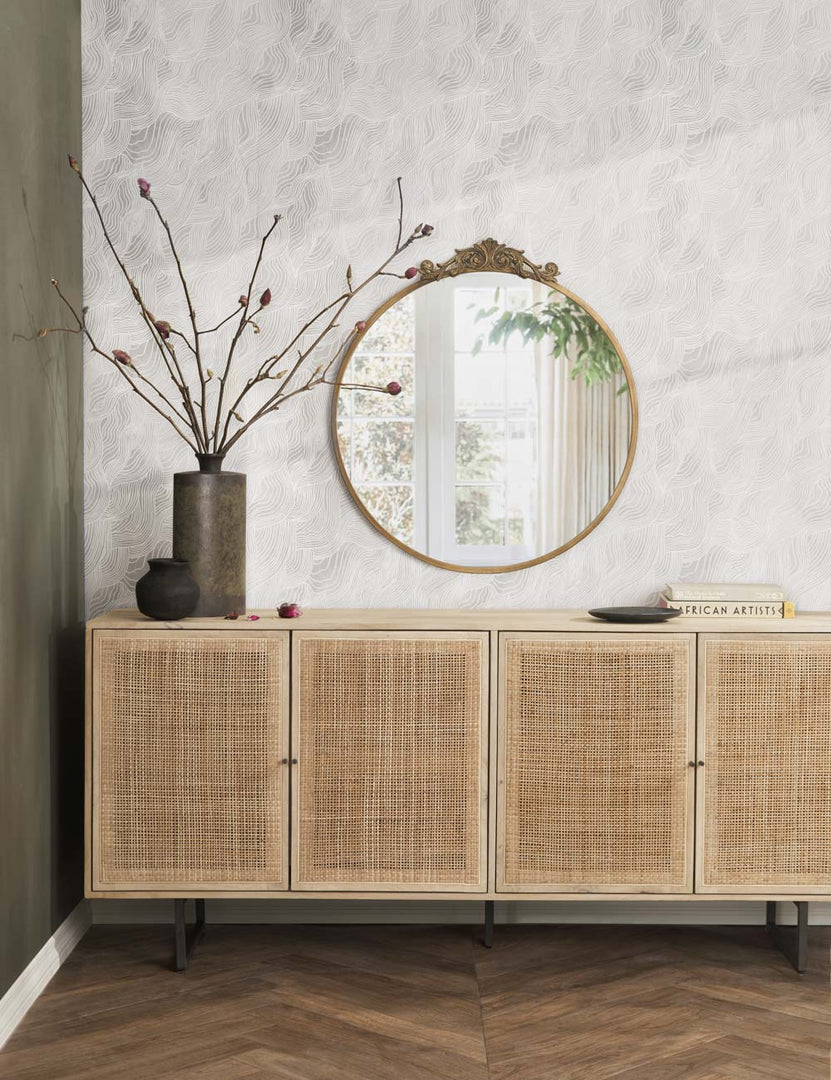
{"points": [[701, 763], [285, 761], [294, 761], [692, 764]]}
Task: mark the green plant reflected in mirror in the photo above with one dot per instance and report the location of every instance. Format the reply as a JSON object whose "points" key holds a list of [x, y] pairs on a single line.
{"points": [[516, 424], [560, 322]]}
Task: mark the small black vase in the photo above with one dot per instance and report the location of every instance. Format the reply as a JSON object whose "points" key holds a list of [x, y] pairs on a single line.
{"points": [[167, 591]]}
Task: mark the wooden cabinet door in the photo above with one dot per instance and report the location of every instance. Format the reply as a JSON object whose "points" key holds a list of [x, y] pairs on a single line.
{"points": [[189, 733], [596, 735], [764, 791], [390, 736]]}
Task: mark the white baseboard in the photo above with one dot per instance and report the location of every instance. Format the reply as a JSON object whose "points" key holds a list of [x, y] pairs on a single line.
{"points": [[32, 981], [738, 913]]}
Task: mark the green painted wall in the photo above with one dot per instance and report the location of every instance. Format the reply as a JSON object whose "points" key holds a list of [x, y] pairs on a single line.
{"points": [[41, 586]]}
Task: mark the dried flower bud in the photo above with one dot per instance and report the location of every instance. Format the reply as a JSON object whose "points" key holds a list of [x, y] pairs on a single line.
{"points": [[277, 218], [123, 357], [210, 373], [360, 326], [232, 615], [243, 300], [280, 375], [73, 164], [394, 388], [426, 230], [410, 272], [289, 611], [54, 280], [265, 299], [42, 332], [237, 416], [163, 328], [144, 188]]}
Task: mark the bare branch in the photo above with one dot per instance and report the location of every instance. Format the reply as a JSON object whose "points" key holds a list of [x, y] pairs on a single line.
{"points": [[123, 370], [280, 395], [145, 313], [400, 212], [239, 330], [191, 312], [214, 329], [319, 327], [184, 338], [356, 386]]}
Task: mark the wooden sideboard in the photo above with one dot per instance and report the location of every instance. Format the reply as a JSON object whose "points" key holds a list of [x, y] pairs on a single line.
{"points": [[491, 755]]}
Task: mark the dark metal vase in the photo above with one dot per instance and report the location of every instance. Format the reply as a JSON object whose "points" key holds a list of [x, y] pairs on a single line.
{"points": [[167, 590], [209, 531]]}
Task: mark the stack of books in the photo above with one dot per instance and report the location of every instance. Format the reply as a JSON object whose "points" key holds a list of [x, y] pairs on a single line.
{"points": [[724, 600]]}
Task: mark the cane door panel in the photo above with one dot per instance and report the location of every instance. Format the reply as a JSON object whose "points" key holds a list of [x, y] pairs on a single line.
{"points": [[596, 734], [390, 735], [764, 730], [189, 736]]}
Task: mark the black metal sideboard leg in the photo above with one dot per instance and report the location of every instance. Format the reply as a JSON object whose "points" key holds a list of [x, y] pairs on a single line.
{"points": [[186, 939], [488, 940], [792, 942]]}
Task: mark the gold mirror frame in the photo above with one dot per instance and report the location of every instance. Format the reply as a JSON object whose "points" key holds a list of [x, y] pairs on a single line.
{"points": [[488, 255]]}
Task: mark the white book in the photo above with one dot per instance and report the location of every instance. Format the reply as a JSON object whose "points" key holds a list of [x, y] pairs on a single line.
{"points": [[724, 590], [731, 609]]}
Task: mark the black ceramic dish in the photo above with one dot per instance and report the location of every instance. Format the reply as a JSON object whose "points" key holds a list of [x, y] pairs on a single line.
{"points": [[634, 614]]}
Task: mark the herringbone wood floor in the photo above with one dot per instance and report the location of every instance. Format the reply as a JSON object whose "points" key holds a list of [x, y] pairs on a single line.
{"points": [[425, 1003]]}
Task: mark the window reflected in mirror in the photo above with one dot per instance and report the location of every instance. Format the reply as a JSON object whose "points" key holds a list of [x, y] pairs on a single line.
{"points": [[512, 429]]}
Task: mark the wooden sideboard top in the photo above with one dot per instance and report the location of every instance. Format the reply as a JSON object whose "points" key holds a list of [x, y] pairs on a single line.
{"points": [[467, 619]]}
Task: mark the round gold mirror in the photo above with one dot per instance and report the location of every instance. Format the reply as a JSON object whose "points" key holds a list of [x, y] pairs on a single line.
{"points": [[516, 424]]}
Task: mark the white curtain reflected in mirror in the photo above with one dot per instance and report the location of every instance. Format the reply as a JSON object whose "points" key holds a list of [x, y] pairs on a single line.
{"points": [[512, 430]]}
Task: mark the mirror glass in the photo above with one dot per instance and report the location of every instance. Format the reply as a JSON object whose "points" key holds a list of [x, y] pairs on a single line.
{"points": [[513, 430]]}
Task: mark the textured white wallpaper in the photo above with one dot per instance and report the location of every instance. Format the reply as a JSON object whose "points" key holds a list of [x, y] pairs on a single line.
{"points": [[673, 157]]}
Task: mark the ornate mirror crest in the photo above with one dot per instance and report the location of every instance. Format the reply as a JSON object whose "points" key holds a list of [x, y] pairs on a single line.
{"points": [[488, 255]]}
